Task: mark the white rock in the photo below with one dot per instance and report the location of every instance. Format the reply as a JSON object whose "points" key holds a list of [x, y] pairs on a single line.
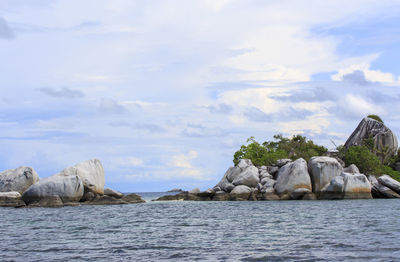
{"points": [[390, 183], [244, 163], [292, 176], [268, 182], [241, 189], [351, 169], [68, 187], [18, 179], [356, 186], [225, 184], [323, 170], [335, 186], [91, 173], [282, 162], [12, 194], [249, 177]]}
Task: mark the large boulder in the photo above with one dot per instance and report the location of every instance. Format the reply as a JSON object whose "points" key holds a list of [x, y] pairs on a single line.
{"points": [[384, 139], [248, 177], [68, 187], [292, 176], [356, 186], [380, 191], [226, 182], [112, 193], [11, 199], [333, 190], [240, 193], [390, 183], [91, 173], [323, 169], [18, 179]]}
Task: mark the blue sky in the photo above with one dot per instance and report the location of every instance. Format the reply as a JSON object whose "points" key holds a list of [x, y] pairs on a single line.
{"points": [[164, 92]]}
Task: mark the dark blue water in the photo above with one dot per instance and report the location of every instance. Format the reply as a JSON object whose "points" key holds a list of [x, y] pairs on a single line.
{"points": [[347, 230]]}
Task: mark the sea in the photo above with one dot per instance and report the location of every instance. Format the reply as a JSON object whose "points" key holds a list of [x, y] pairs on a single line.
{"points": [[342, 230]]}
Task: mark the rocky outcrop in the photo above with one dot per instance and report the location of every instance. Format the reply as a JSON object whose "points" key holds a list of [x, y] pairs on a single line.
{"points": [[68, 187], [292, 176], [91, 173], [112, 193], [18, 179], [11, 199], [132, 199], [380, 191], [322, 170], [245, 173], [390, 183], [356, 186], [384, 139]]}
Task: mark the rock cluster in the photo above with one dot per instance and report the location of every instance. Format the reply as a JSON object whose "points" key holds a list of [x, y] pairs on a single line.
{"points": [[76, 185], [321, 178]]}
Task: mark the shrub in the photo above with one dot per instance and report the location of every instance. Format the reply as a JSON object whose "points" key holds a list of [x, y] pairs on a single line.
{"points": [[366, 161], [376, 117], [389, 171]]}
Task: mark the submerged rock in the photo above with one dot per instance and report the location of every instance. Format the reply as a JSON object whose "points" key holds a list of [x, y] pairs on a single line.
{"points": [[18, 179], [68, 187], [292, 176], [323, 169], [132, 198], [384, 139], [106, 200], [91, 173]]}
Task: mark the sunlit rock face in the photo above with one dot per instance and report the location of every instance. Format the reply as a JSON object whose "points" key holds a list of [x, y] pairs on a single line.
{"points": [[385, 140]]}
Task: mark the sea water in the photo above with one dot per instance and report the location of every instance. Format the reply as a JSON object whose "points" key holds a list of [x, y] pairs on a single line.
{"points": [[344, 230]]}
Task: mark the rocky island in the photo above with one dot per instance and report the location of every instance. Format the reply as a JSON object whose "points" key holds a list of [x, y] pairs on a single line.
{"points": [[82, 184], [321, 177]]}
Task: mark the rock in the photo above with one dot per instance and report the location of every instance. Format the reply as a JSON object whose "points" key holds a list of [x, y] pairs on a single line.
{"points": [[178, 197], [380, 191], [194, 191], [112, 193], [106, 200], [91, 173], [356, 186], [177, 190], [299, 193], [208, 193], [272, 170], [225, 184], [217, 188], [351, 169], [221, 196], [268, 182], [132, 198], [390, 183], [265, 174], [18, 179], [49, 201], [88, 196], [245, 163], [384, 139], [309, 196], [333, 190], [249, 177], [292, 176], [281, 162], [11, 199], [68, 187], [323, 169], [267, 196], [240, 193]]}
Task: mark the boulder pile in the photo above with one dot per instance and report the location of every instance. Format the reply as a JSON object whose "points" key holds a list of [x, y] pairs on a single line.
{"points": [[82, 184]]}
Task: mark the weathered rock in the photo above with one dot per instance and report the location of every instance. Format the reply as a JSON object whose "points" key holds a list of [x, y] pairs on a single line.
{"points": [[282, 162], [178, 197], [384, 139], [49, 201], [11, 199], [356, 186], [299, 193], [353, 169], [112, 193], [292, 176], [18, 179], [225, 184], [68, 187], [323, 169], [221, 196], [267, 196], [272, 170], [240, 193], [132, 198], [265, 174], [88, 196], [268, 182], [249, 177], [333, 190], [380, 191], [91, 173], [309, 196], [390, 183], [208, 193], [106, 200], [244, 163]]}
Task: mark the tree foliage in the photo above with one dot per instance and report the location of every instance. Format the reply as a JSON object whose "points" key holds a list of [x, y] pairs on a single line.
{"points": [[366, 161], [268, 152], [376, 117]]}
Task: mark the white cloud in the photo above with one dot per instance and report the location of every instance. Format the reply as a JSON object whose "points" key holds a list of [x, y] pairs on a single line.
{"points": [[183, 160], [370, 75]]}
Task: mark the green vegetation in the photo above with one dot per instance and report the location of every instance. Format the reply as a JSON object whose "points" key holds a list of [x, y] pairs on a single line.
{"points": [[366, 161], [376, 117], [268, 152]]}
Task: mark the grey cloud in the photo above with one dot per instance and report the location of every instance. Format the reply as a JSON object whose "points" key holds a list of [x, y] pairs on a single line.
{"points": [[152, 128], [256, 115], [62, 93], [5, 30], [108, 105], [356, 77], [199, 133], [220, 109], [287, 114], [317, 94], [379, 97]]}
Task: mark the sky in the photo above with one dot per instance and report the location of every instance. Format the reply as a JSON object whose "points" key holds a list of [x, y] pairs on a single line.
{"points": [[164, 92]]}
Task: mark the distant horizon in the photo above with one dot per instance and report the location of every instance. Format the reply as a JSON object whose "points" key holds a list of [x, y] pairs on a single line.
{"points": [[164, 92]]}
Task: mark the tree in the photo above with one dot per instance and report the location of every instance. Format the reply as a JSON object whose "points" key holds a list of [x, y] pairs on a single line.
{"points": [[366, 161]]}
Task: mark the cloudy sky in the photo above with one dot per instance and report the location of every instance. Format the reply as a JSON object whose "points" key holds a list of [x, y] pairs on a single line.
{"points": [[164, 92]]}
